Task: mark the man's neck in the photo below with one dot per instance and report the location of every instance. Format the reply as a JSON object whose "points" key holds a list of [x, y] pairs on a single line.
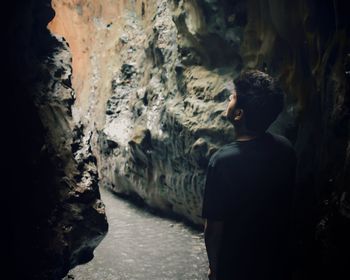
{"points": [[244, 135]]}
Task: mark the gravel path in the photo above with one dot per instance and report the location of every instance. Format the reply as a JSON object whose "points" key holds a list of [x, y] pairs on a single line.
{"points": [[140, 245]]}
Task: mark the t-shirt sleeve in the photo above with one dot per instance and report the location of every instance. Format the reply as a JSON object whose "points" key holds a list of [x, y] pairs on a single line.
{"points": [[215, 197]]}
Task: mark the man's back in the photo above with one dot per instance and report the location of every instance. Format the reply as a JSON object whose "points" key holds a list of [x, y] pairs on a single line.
{"points": [[249, 187]]}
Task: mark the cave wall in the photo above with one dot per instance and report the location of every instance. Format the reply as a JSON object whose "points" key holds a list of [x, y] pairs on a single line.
{"points": [[151, 79], [54, 214], [306, 45], [161, 109]]}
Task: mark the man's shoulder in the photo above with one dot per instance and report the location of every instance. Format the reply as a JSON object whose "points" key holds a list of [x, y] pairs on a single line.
{"points": [[284, 146], [224, 153], [282, 141]]}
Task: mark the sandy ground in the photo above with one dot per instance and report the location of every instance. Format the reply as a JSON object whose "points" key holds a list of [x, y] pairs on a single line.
{"points": [[140, 245]]}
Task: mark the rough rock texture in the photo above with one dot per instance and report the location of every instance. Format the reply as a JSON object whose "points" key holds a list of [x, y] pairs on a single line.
{"points": [[151, 79], [57, 217], [162, 119]]}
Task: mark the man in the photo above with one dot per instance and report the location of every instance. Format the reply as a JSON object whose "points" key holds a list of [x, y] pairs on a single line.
{"points": [[249, 186]]}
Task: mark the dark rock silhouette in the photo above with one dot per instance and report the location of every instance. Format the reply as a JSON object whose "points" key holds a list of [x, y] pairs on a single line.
{"points": [[55, 215]]}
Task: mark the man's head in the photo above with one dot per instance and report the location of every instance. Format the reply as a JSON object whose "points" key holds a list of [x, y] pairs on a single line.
{"points": [[255, 102]]}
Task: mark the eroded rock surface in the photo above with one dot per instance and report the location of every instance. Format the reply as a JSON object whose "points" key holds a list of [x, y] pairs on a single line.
{"points": [[163, 110]]}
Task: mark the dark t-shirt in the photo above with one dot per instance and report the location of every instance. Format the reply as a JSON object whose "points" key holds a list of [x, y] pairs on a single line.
{"points": [[250, 187]]}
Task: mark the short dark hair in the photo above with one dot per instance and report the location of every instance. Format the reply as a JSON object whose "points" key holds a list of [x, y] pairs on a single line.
{"points": [[260, 97]]}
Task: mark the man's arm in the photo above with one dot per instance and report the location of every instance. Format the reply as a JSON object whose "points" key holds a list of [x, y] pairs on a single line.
{"points": [[213, 234]]}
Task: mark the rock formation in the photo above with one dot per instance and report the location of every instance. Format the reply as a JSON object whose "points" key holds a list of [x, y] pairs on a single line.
{"points": [[56, 215], [162, 115]]}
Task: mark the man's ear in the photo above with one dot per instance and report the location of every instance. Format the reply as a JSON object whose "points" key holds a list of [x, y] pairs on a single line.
{"points": [[238, 115]]}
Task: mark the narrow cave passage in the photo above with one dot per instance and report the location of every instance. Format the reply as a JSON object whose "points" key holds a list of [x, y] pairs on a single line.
{"points": [[140, 245], [130, 98], [150, 83]]}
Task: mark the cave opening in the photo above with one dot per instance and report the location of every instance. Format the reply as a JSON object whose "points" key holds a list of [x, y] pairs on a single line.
{"points": [[122, 101]]}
